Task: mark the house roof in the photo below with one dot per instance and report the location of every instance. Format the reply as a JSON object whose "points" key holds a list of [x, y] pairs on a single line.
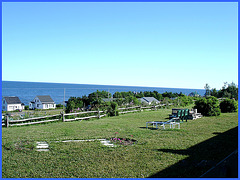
{"points": [[149, 99], [45, 99], [12, 100]]}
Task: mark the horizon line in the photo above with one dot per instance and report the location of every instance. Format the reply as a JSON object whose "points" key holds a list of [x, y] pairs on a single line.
{"points": [[102, 84]]}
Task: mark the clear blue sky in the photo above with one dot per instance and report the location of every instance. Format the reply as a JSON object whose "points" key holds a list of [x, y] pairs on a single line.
{"points": [[177, 45]]}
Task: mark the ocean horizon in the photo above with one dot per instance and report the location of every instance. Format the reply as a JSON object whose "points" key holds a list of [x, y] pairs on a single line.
{"points": [[27, 91]]}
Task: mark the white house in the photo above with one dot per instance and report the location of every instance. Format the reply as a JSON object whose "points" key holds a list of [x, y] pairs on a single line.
{"points": [[12, 103], [149, 100], [42, 102]]}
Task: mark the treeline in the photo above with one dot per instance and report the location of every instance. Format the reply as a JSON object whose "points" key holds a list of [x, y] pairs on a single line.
{"points": [[229, 91], [103, 100], [95, 99], [211, 106], [141, 94]]}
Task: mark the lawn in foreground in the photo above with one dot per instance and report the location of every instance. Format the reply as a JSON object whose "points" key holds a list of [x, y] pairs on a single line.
{"points": [[155, 152]]}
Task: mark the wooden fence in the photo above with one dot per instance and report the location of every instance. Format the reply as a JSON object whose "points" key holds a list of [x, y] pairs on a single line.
{"points": [[72, 116], [138, 109], [97, 115], [51, 118]]}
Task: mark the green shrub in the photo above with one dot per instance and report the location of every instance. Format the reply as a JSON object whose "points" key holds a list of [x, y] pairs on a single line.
{"points": [[208, 106], [228, 105], [112, 109], [59, 106]]}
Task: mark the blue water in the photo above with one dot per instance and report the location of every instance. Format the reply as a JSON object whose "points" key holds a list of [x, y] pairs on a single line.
{"points": [[27, 91]]}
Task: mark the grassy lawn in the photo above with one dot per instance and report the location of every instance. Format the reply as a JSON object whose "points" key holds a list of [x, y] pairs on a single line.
{"points": [[160, 153]]}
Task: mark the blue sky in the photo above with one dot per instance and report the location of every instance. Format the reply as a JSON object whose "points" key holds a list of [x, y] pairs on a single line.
{"points": [[176, 45]]}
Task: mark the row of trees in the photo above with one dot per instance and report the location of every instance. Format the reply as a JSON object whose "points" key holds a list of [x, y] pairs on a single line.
{"points": [[95, 99], [228, 91], [210, 106], [141, 94]]}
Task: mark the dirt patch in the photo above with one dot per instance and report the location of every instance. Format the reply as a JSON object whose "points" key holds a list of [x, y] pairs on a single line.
{"points": [[24, 145], [123, 141]]}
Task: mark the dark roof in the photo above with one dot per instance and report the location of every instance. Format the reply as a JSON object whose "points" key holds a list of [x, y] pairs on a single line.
{"points": [[12, 100], [45, 99]]}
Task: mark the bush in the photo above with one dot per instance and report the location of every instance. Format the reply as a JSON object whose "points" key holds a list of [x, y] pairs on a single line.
{"points": [[228, 105], [112, 109], [26, 107], [59, 106], [208, 106]]}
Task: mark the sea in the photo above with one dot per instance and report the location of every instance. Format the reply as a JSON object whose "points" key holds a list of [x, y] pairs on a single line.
{"points": [[60, 92]]}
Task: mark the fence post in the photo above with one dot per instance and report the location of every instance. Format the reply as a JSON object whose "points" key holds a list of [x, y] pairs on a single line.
{"points": [[98, 114], [63, 117], [7, 121]]}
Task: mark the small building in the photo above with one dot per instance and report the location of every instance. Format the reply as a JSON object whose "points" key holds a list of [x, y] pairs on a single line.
{"points": [[194, 94], [42, 102], [149, 100], [12, 103]]}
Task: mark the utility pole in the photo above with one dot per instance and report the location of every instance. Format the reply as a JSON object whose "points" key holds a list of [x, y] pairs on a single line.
{"points": [[63, 118], [64, 99]]}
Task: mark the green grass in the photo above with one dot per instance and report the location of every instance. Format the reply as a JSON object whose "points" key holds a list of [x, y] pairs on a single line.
{"points": [[157, 151]]}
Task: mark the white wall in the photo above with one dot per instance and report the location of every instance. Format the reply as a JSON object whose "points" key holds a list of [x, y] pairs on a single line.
{"points": [[49, 106], [13, 107]]}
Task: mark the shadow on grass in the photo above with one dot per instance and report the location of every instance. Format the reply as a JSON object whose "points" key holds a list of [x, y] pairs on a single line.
{"points": [[151, 128], [203, 156]]}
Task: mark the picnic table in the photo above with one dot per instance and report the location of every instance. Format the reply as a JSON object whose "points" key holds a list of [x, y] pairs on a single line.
{"points": [[171, 122], [156, 123]]}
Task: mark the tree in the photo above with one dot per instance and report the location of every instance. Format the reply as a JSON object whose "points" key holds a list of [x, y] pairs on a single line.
{"points": [[207, 88], [184, 100], [139, 94], [233, 90], [70, 106], [208, 106], [112, 109], [117, 95], [214, 92], [228, 91], [131, 100], [228, 105], [119, 101]]}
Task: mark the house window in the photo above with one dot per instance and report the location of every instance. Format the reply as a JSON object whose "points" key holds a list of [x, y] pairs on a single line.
{"points": [[3, 101], [37, 105]]}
